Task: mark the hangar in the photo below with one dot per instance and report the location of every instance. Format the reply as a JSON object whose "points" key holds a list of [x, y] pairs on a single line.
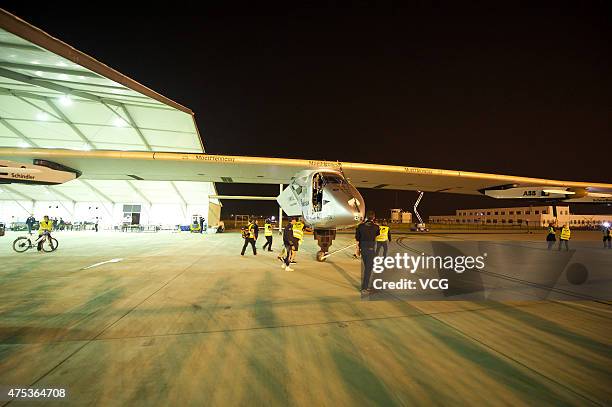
{"points": [[53, 96]]}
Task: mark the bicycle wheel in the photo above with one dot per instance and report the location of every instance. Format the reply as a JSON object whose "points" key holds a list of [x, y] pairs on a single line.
{"points": [[50, 246], [21, 244]]}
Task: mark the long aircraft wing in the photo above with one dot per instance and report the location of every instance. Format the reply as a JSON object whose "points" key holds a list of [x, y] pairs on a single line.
{"points": [[159, 166], [61, 105]]}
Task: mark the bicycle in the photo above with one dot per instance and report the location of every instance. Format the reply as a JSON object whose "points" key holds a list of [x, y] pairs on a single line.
{"points": [[24, 243]]}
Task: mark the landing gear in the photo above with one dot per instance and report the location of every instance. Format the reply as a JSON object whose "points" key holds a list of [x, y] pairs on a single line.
{"points": [[325, 238]]}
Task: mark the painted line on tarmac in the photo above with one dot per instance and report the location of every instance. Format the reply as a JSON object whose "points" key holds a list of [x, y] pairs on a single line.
{"points": [[101, 263]]}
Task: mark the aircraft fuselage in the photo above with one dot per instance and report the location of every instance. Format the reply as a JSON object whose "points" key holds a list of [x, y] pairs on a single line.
{"points": [[324, 198]]}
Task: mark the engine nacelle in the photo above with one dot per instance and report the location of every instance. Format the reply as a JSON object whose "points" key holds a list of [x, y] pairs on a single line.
{"points": [[546, 193], [40, 173], [552, 193]]}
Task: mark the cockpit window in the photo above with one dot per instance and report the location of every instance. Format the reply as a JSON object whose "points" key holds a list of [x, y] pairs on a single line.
{"points": [[332, 179]]}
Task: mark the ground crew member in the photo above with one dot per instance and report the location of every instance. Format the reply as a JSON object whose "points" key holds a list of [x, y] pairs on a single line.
{"points": [[283, 252], [383, 238], [607, 235], [268, 234], [565, 237], [289, 241], [255, 228], [194, 227], [249, 233], [45, 227], [298, 237], [30, 222], [551, 236], [365, 235], [357, 253]]}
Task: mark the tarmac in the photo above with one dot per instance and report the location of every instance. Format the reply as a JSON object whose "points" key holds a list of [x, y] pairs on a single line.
{"points": [[182, 319]]}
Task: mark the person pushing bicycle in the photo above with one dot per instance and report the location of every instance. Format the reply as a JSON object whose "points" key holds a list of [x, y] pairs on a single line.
{"points": [[45, 228]]}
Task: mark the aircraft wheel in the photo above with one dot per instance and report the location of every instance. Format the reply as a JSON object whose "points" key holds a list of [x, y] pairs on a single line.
{"points": [[320, 255]]}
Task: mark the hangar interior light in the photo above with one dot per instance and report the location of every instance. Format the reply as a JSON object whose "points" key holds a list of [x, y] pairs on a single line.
{"points": [[119, 122], [65, 100]]}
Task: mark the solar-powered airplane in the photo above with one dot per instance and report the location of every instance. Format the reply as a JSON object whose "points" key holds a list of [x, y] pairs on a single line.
{"points": [[69, 122]]}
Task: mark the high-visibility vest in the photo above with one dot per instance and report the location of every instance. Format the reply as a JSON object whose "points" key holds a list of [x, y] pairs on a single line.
{"points": [[267, 229], [384, 234], [565, 234], [45, 225], [298, 230], [551, 230], [251, 231]]}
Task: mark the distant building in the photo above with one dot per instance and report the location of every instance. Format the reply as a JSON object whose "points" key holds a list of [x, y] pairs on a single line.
{"points": [[400, 216], [521, 216]]}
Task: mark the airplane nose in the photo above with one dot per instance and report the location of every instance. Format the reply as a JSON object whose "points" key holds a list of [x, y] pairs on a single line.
{"points": [[351, 210], [356, 208], [346, 216]]}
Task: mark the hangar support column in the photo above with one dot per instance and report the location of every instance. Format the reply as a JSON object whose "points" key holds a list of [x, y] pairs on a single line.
{"points": [[280, 210]]}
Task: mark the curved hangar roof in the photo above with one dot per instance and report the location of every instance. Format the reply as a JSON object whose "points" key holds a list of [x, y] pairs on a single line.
{"points": [[53, 96]]}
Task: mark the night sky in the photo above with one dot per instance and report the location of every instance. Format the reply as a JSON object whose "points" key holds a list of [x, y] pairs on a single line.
{"points": [[518, 90]]}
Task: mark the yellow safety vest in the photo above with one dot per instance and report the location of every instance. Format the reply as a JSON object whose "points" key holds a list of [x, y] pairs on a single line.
{"points": [[298, 230], [384, 234], [267, 229], [251, 231], [42, 226], [565, 234], [551, 231]]}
